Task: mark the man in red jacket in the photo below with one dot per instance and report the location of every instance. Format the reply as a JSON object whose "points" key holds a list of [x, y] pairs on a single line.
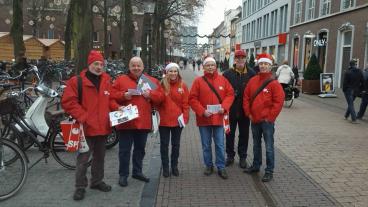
{"points": [[125, 92], [210, 109], [93, 112], [262, 109]]}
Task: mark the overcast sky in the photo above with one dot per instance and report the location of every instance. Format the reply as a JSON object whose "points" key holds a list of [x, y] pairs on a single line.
{"points": [[213, 15]]}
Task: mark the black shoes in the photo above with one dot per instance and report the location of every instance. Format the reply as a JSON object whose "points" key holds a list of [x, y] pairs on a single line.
{"points": [[79, 194], [267, 177], [243, 163], [251, 169], [166, 172], [229, 161], [123, 181], [141, 177], [208, 170], [102, 187], [175, 171], [223, 174]]}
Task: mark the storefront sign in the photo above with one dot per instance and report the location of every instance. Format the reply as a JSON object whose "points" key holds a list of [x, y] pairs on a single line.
{"points": [[282, 38], [257, 44], [320, 43], [327, 82]]}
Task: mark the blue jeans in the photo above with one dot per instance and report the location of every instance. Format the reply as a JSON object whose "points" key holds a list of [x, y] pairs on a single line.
{"points": [[126, 139], [267, 130], [349, 96], [217, 132], [363, 105]]}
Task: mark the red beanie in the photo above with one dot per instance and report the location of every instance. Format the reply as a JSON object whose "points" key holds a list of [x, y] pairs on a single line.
{"points": [[94, 56]]}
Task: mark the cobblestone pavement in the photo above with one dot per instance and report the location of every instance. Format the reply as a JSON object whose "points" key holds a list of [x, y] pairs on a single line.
{"points": [[49, 184]]}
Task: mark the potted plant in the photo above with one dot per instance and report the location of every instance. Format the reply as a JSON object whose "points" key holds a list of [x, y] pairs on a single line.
{"points": [[311, 82]]}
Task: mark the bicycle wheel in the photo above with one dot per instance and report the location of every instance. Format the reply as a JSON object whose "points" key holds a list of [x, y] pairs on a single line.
{"points": [[112, 139], [13, 169], [59, 152], [289, 100]]}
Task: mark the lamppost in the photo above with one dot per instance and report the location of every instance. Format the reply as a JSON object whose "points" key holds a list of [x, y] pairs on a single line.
{"points": [[149, 9]]}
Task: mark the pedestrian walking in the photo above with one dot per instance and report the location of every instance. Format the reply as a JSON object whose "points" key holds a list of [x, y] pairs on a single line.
{"points": [[262, 102], [134, 132], [364, 103], [238, 77], [284, 74], [199, 62], [352, 86], [90, 108], [174, 115], [210, 97], [193, 64]]}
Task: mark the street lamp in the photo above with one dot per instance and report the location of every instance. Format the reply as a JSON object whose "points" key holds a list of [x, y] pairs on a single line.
{"points": [[149, 9]]}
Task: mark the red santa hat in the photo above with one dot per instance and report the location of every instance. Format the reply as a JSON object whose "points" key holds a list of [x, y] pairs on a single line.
{"points": [[264, 57]]}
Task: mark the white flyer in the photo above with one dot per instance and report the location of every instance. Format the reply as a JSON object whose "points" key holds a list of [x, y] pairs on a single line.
{"points": [[181, 121], [214, 109], [134, 92], [128, 113]]}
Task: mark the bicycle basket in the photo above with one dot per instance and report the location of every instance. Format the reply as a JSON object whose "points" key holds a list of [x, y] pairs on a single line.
{"points": [[7, 106]]}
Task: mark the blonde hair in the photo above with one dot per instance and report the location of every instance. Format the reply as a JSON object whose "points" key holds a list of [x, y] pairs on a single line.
{"points": [[165, 82]]}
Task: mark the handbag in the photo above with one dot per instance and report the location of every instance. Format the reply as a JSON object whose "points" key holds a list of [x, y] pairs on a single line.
{"points": [[73, 136], [225, 120]]}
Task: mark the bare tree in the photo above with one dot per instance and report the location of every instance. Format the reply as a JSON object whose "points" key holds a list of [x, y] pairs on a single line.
{"points": [[176, 11], [16, 31], [68, 32], [127, 34], [82, 24]]}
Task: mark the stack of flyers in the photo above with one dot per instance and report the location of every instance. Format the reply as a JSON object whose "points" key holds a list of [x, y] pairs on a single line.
{"points": [[214, 109], [128, 113], [145, 83]]}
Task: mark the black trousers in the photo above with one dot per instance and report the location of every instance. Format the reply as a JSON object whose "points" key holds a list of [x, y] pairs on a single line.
{"points": [[243, 124], [164, 145], [97, 148], [126, 140]]}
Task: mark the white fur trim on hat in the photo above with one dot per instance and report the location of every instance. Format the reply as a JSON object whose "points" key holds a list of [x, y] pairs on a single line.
{"points": [[171, 65], [265, 60], [209, 59]]}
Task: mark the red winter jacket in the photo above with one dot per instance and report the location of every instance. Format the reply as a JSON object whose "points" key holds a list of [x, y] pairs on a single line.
{"points": [[121, 86], [94, 110], [201, 95], [174, 104], [268, 103]]}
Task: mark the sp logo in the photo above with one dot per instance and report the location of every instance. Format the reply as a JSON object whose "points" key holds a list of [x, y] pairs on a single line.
{"points": [[72, 144], [75, 131]]}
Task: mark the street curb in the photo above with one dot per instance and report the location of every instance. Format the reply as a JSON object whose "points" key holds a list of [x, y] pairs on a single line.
{"points": [[148, 197]]}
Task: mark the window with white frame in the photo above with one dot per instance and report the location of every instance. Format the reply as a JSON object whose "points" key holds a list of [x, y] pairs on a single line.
{"points": [[310, 7], [244, 34], [259, 6], [281, 18], [274, 22], [346, 4], [298, 11], [249, 7], [265, 24], [245, 9], [325, 7]]}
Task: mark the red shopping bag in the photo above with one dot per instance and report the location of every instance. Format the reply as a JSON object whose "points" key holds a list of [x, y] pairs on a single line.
{"points": [[71, 131], [226, 123]]}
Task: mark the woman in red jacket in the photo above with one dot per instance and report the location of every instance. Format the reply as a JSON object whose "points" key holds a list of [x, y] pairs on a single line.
{"points": [[210, 111], [127, 89], [173, 109], [93, 112]]}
